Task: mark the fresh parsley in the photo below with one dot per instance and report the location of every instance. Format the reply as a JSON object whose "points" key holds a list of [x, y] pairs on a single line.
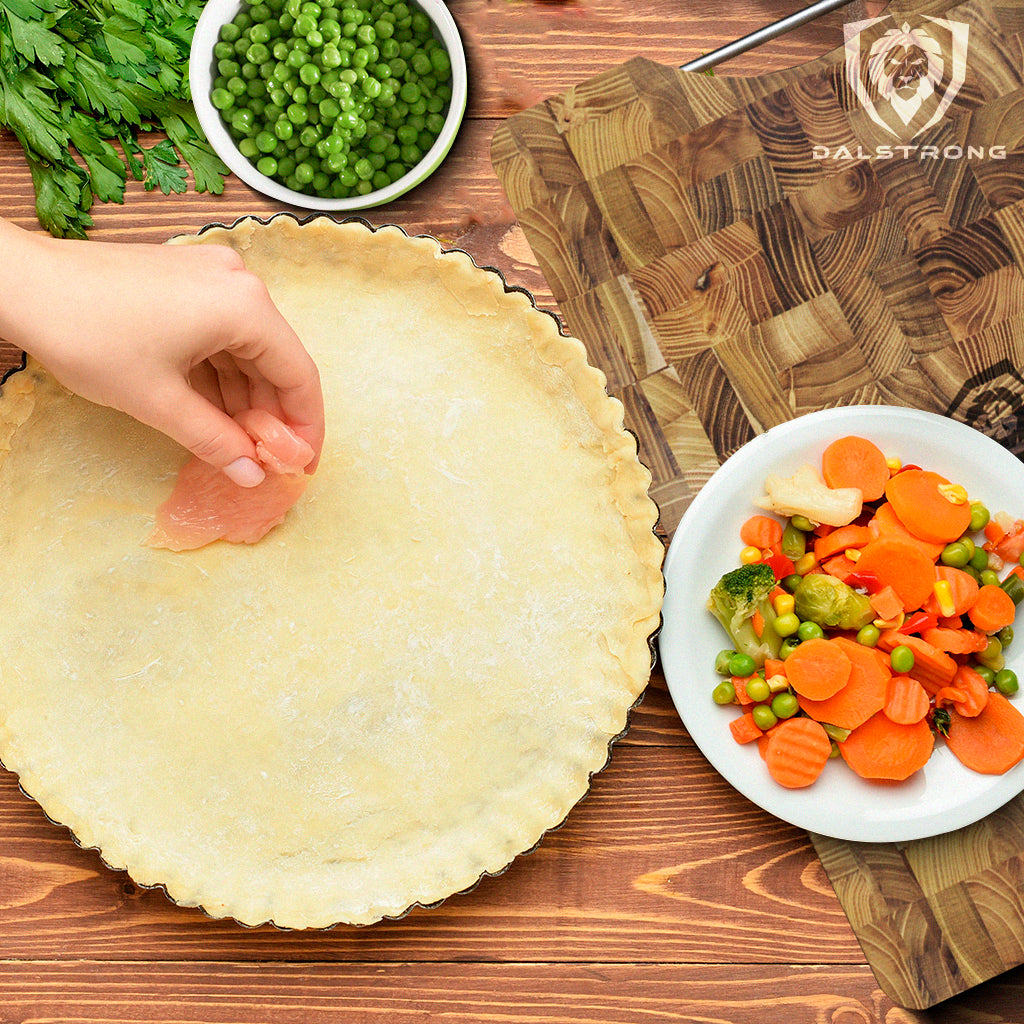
{"points": [[81, 82]]}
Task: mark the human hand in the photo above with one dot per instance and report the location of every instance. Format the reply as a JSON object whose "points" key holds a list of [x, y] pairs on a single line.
{"points": [[180, 337]]}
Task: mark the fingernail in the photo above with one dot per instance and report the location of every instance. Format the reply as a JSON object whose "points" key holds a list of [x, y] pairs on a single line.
{"points": [[245, 472]]}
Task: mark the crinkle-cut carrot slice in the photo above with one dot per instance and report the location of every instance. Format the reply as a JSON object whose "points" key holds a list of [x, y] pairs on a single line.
{"points": [[797, 752]]}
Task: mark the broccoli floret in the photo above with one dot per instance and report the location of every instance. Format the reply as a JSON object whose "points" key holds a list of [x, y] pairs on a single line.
{"points": [[734, 600]]}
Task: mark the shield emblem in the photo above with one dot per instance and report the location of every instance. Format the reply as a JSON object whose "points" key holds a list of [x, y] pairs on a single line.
{"points": [[906, 77]]}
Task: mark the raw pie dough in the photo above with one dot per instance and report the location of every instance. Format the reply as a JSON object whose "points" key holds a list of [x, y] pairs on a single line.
{"points": [[400, 688]]}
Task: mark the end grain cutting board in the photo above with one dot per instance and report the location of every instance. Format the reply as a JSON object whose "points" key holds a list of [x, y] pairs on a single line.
{"points": [[735, 252]]}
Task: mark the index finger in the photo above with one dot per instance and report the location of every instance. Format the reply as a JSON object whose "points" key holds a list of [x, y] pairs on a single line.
{"points": [[271, 349]]}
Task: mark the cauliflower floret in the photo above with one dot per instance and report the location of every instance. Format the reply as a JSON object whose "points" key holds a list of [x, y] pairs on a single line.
{"points": [[805, 493]]}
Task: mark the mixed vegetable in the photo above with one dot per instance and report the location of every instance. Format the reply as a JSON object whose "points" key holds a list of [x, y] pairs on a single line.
{"points": [[870, 620]]}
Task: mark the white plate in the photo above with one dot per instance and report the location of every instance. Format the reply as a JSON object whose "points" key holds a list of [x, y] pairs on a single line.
{"points": [[944, 795]]}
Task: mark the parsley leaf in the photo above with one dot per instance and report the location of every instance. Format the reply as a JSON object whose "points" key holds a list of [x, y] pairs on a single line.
{"points": [[81, 81], [163, 169]]}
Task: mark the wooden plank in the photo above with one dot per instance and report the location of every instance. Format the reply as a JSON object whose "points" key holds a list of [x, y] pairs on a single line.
{"points": [[662, 862], [161, 993]]}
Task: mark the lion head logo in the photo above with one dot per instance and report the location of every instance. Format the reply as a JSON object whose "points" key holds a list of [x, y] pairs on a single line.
{"points": [[904, 73]]}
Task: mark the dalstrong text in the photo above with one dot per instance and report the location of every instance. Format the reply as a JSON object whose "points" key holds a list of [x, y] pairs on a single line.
{"points": [[887, 151]]}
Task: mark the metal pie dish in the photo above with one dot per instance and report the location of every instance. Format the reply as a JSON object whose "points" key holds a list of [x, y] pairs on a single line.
{"points": [[202, 68], [114, 863]]}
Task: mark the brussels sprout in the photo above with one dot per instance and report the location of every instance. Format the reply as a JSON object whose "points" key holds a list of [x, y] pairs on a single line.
{"points": [[830, 602]]}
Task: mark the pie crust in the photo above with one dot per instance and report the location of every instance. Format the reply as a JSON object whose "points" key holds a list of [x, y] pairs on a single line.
{"points": [[400, 688]]}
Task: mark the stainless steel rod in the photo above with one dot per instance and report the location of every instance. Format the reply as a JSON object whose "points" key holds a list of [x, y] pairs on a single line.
{"points": [[762, 35]]}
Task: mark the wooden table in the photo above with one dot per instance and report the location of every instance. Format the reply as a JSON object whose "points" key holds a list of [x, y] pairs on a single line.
{"points": [[665, 897]]}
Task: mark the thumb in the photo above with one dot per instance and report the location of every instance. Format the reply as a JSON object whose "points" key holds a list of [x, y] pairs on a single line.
{"points": [[206, 431]]}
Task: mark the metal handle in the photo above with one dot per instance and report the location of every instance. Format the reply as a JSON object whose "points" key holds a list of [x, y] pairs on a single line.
{"points": [[762, 35]]}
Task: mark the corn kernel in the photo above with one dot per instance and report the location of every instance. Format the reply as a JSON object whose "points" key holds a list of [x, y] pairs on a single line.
{"points": [[955, 494], [805, 563], [944, 596], [778, 684], [750, 555], [853, 554], [894, 623], [784, 604], [894, 464]]}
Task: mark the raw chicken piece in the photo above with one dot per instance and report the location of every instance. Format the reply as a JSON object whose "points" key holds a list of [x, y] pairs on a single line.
{"points": [[206, 506]]}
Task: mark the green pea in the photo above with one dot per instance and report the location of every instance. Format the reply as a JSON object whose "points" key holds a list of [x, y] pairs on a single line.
{"points": [[222, 99], [724, 692], [1005, 636], [901, 659], [1006, 682], [989, 578], [868, 635], [986, 673], [992, 656], [764, 717], [758, 689], [810, 631], [979, 560], [788, 646], [979, 517], [785, 705], [267, 166], [786, 624], [741, 665], [802, 523], [955, 555]]}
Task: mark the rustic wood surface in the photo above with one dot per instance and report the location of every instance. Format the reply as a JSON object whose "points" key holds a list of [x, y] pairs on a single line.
{"points": [[665, 897]]}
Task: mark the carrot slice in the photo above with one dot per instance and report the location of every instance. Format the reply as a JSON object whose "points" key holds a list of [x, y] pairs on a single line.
{"points": [[885, 523], [882, 749], [855, 462], [933, 668], [991, 742], [906, 701], [761, 532], [923, 509], [861, 697], [955, 641], [797, 752], [969, 695], [744, 729], [993, 608], [839, 566], [818, 669], [886, 603], [901, 565], [841, 538], [963, 589]]}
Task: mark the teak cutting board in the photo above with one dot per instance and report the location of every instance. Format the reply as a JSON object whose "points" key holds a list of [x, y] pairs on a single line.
{"points": [[735, 252]]}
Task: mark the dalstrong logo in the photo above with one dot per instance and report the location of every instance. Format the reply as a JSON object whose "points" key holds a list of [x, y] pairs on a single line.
{"points": [[906, 77]]}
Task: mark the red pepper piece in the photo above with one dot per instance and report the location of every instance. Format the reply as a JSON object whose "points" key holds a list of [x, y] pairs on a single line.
{"points": [[863, 580], [918, 622]]}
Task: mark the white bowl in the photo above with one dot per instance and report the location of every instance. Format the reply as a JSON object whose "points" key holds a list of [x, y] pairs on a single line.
{"points": [[944, 795], [200, 72]]}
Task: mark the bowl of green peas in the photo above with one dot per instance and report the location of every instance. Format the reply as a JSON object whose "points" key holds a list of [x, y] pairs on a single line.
{"points": [[329, 104]]}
